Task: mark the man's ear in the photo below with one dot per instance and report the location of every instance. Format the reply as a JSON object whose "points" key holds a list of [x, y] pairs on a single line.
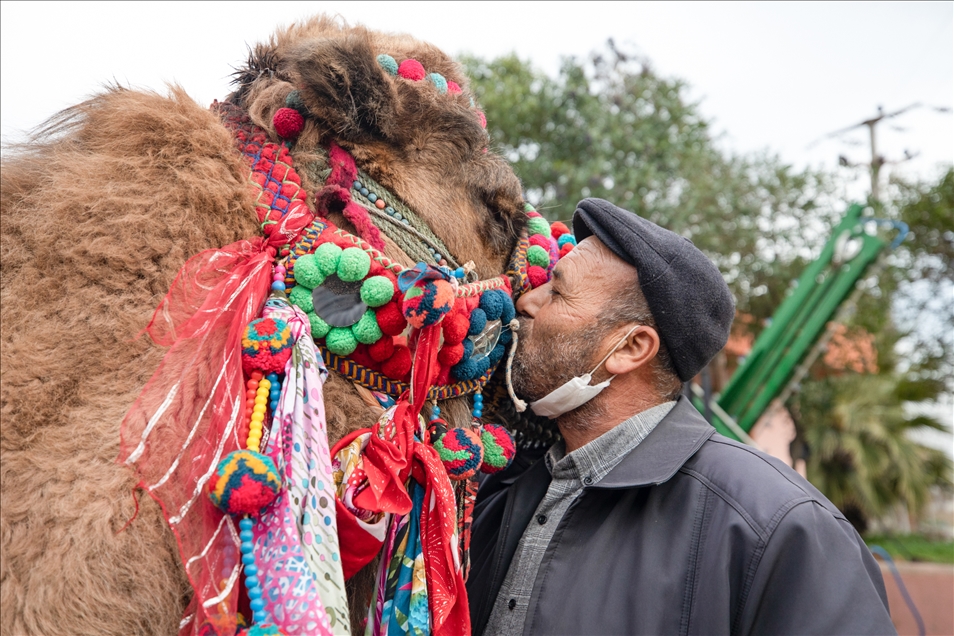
{"points": [[636, 352]]}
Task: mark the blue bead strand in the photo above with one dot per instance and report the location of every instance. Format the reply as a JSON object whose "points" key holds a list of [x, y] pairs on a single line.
{"points": [[247, 548], [275, 392]]}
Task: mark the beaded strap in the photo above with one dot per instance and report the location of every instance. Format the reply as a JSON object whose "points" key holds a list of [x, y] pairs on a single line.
{"points": [[517, 269], [277, 186], [375, 381]]}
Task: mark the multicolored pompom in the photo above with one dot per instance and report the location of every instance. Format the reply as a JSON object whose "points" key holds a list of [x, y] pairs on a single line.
{"points": [[244, 482], [266, 345], [499, 448], [426, 304], [461, 452]]}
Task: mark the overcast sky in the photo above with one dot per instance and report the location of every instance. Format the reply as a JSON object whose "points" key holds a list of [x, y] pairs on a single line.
{"points": [[772, 76]]}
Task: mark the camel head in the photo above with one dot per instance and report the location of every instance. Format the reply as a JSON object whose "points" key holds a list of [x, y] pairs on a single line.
{"points": [[421, 137]]}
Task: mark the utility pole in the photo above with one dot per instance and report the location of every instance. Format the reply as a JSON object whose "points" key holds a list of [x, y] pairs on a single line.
{"points": [[877, 161]]}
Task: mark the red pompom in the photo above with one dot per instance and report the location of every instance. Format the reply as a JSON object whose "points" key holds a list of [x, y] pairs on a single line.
{"points": [[412, 70], [382, 349], [399, 364], [541, 240], [288, 123], [362, 355], [450, 355], [390, 319], [537, 276], [567, 247], [558, 229], [455, 327], [453, 87], [483, 118]]}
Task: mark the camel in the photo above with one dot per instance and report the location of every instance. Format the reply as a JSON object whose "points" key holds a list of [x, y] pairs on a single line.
{"points": [[100, 210]]}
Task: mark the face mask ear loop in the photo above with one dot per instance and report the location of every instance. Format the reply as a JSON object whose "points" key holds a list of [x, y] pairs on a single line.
{"points": [[612, 351], [518, 404]]}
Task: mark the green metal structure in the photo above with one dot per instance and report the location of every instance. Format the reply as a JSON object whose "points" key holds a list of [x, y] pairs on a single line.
{"points": [[797, 325]]}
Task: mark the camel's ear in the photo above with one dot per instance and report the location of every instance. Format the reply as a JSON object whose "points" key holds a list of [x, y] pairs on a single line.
{"points": [[344, 88], [497, 189]]}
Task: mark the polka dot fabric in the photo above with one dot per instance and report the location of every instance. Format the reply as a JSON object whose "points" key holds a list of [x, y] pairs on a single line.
{"points": [[296, 540]]}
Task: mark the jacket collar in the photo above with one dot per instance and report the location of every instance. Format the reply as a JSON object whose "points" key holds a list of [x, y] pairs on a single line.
{"points": [[664, 451]]}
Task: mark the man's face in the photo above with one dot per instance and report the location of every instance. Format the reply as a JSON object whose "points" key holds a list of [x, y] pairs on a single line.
{"points": [[560, 334]]}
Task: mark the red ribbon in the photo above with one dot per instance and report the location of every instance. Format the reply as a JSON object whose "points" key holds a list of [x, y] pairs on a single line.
{"points": [[388, 463], [179, 425]]}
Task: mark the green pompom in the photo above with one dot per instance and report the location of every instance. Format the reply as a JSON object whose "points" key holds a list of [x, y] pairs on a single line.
{"points": [[538, 256], [539, 225], [528, 208], [354, 264], [301, 296], [341, 341], [367, 330], [388, 63], [307, 272], [377, 291], [327, 256], [293, 100], [319, 328]]}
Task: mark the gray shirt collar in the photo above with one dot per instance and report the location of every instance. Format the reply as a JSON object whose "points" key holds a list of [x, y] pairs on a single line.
{"points": [[591, 462]]}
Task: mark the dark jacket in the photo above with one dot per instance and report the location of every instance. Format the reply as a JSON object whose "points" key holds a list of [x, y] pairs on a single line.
{"points": [[691, 533]]}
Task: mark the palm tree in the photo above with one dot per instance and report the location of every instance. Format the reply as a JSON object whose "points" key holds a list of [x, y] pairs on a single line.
{"points": [[859, 452]]}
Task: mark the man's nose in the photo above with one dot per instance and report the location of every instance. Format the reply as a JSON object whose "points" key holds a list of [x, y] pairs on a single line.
{"points": [[530, 302]]}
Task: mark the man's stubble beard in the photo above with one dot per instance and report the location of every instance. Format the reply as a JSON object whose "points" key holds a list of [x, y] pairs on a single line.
{"points": [[545, 361]]}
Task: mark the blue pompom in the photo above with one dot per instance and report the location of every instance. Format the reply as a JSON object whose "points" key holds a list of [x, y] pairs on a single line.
{"points": [[483, 364], [492, 304], [506, 337], [566, 238], [496, 354], [478, 320], [466, 369], [468, 348], [439, 81], [508, 312]]}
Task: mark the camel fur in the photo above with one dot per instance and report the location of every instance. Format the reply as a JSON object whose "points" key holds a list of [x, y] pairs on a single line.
{"points": [[100, 209]]}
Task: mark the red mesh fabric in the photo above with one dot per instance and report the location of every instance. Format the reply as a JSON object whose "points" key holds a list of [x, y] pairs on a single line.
{"points": [[188, 415]]}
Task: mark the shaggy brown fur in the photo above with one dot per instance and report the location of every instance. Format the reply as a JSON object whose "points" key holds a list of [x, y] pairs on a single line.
{"points": [[99, 211]]}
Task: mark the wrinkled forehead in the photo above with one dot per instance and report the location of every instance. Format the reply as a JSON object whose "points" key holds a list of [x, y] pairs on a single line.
{"points": [[595, 266]]}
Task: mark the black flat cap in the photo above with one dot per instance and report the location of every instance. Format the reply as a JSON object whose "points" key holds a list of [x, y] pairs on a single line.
{"points": [[687, 295]]}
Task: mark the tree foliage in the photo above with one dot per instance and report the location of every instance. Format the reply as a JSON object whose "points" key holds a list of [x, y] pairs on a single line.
{"points": [[610, 127]]}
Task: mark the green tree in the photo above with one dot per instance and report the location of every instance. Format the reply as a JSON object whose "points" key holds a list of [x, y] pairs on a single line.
{"points": [[608, 126]]}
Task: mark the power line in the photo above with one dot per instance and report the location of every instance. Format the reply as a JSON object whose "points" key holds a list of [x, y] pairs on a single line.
{"points": [[877, 161]]}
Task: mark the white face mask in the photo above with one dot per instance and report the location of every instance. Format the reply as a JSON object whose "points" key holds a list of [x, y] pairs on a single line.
{"points": [[576, 392]]}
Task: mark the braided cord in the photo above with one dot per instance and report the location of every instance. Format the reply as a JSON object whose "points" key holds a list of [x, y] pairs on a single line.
{"points": [[416, 226], [375, 381]]}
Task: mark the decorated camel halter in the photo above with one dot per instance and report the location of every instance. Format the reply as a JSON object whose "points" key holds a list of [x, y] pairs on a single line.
{"points": [[307, 515]]}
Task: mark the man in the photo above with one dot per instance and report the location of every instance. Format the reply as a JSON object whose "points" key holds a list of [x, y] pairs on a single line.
{"points": [[643, 520]]}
